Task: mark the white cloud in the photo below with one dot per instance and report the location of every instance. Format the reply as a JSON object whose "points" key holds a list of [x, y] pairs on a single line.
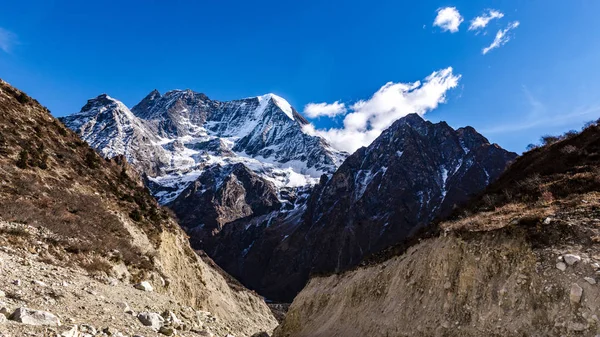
{"points": [[7, 40], [482, 21], [448, 18], [368, 118], [501, 37], [313, 110]]}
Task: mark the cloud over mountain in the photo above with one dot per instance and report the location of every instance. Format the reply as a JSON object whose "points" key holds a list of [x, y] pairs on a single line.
{"points": [[368, 118]]}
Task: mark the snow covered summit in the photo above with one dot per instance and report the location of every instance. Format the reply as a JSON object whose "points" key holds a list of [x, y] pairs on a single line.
{"points": [[174, 137]]}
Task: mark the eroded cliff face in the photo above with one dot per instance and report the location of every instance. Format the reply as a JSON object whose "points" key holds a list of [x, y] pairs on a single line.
{"points": [[194, 282]]}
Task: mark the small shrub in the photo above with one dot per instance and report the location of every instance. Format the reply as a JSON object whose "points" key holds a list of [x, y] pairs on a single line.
{"points": [[123, 177], [546, 197], [96, 265], [135, 215], [508, 194], [78, 248], [43, 162], [23, 98], [23, 158], [62, 131], [532, 147], [589, 124], [91, 159], [569, 134], [549, 139]]}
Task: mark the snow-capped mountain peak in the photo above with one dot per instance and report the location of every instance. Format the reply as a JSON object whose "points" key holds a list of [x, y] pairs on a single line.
{"points": [[175, 136], [280, 102]]}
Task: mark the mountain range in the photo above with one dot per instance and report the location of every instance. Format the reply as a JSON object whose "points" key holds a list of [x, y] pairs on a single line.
{"points": [[428, 231], [272, 204]]}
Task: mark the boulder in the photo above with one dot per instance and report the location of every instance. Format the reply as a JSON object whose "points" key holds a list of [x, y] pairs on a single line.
{"points": [[571, 259], [151, 319], [167, 330], [561, 266], [34, 317], [576, 293], [144, 285]]}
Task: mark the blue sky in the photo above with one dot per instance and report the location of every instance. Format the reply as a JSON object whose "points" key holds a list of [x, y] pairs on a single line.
{"points": [[544, 80]]}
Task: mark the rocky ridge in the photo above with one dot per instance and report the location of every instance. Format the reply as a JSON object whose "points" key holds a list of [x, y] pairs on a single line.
{"points": [[173, 137]]}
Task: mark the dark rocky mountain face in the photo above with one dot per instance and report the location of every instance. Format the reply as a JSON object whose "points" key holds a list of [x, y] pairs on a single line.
{"points": [[222, 195], [415, 171]]}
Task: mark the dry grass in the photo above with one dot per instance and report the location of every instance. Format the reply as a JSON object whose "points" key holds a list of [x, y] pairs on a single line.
{"points": [[499, 218], [95, 265], [49, 178]]}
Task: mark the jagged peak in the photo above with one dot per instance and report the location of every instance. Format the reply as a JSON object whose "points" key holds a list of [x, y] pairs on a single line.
{"points": [[279, 101], [100, 100], [411, 119], [470, 138], [148, 101], [154, 94]]}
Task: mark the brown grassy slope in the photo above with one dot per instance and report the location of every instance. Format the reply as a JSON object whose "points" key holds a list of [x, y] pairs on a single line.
{"points": [[49, 177], [569, 166]]}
